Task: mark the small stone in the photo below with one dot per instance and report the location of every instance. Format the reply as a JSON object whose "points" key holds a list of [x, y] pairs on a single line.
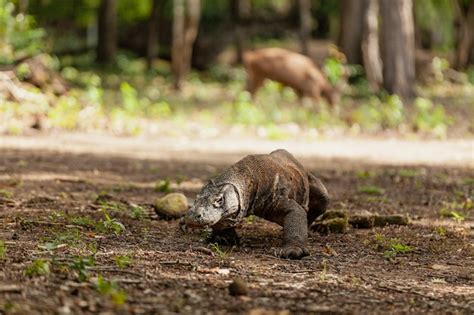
{"points": [[395, 219], [238, 287], [173, 205]]}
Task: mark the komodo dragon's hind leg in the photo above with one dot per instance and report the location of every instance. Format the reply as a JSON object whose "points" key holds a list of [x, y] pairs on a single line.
{"points": [[318, 198]]}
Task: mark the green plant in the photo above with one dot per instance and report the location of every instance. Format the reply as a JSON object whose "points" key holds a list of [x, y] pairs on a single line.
{"points": [[3, 250], [123, 261], [441, 231], [111, 289], [83, 221], [80, 267], [452, 210], [38, 267], [371, 190], [163, 186], [430, 118], [6, 193], [112, 224], [391, 247], [19, 36], [407, 173], [365, 174], [217, 249]]}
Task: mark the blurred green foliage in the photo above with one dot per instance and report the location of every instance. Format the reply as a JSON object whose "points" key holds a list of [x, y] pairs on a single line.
{"points": [[19, 36]]}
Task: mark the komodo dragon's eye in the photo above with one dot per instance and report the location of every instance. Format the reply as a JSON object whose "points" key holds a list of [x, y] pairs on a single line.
{"points": [[218, 201]]}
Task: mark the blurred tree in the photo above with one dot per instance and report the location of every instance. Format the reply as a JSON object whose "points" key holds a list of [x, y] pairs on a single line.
{"points": [[240, 11], [306, 23], [350, 33], [23, 6], [186, 16], [370, 44], [177, 53], [398, 47], [465, 42], [152, 42], [193, 15], [107, 29]]}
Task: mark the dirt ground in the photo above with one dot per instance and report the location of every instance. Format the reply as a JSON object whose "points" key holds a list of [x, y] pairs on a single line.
{"points": [[48, 207]]}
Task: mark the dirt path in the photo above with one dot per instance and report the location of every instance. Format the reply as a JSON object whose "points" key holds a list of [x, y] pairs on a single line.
{"points": [[375, 151], [49, 215]]}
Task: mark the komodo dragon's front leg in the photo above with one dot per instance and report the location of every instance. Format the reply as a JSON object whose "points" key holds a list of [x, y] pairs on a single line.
{"points": [[295, 229]]}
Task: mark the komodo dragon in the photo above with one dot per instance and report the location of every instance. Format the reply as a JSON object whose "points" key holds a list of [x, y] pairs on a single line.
{"points": [[273, 186]]}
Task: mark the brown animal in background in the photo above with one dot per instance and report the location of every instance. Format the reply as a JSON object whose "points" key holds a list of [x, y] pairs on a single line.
{"points": [[289, 68]]}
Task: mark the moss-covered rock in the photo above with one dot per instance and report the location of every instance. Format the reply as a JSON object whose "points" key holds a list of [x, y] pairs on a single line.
{"points": [[173, 205], [394, 219], [362, 220]]}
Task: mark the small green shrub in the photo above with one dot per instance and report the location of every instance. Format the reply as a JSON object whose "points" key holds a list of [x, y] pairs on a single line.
{"points": [[430, 118], [38, 267], [111, 289], [371, 190], [123, 261]]}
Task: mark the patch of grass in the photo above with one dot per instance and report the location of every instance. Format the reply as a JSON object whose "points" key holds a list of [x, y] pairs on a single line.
{"points": [[79, 267], [218, 250], [371, 190], [323, 274], [469, 181], [71, 237], [38, 267], [6, 193], [365, 174], [137, 212], [3, 250], [111, 289], [84, 221], [112, 224], [453, 210], [391, 246], [163, 186], [123, 261], [441, 231], [407, 173]]}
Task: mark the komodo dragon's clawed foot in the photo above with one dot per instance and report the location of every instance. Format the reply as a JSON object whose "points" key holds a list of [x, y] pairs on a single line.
{"points": [[294, 251]]}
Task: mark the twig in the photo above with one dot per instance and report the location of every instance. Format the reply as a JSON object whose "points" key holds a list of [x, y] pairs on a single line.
{"points": [[10, 288]]}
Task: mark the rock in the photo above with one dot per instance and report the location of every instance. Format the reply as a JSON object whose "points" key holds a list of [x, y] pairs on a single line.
{"points": [[336, 225], [332, 214], [238, 287], [173, 205], [395, 219], [362, 220]]}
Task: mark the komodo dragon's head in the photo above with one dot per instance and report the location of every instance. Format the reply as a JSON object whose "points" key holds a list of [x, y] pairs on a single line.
{"points": [[215, 204]]}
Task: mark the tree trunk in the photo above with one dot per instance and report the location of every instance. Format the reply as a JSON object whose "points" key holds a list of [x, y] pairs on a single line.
{"points": [[177, 53], [191, 30], [465, 42], [240, 12], [152, 42], [304, 12], [350, 34], [23, 6], [107, 28], [370, 45], [398, 47]]}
